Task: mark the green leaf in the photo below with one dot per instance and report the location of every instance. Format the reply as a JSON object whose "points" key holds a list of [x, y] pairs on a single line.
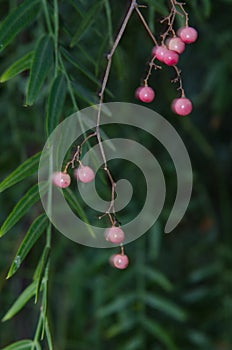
{"points": [[21, 208], [160, 333], [20, 345], [166, 306], [85, 94], [42, 62], [26, 295], [36, 229], [29, 167], [55, 103], [17, 20], [117, 305], [48, 335], [17, 67], [87, 21], [74, 61], [158, 278], [39, 272]]}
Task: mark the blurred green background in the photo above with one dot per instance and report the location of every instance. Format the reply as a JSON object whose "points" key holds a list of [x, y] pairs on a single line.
{"points": [[177, 290]]}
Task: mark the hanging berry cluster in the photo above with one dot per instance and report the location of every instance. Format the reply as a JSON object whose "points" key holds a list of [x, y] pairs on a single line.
{"points": [[171, 45], [167, 52]]}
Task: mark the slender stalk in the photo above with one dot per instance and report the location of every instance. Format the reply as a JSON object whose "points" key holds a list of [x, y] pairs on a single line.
{"points": [[56, 34], [146, 25], [47, 17], [101, 98]]}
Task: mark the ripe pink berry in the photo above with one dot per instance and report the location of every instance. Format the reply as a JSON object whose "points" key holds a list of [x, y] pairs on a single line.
{"points": [[146, 94], [120, 261], [114, 235], [181, 106], [159, 52], [176, 44], [171, 58], [84, 174], [187, 34], [137, 92], [60, 179]]}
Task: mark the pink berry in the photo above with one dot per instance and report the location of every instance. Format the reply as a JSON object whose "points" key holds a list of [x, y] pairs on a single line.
{"points": [[181, 106], [137, 92], [187, 34], [176, 44], [114, 235], [60, 179], [111, 259], [120, 261], [159, 52], [146, 94], [84, 174], [171, 58]]}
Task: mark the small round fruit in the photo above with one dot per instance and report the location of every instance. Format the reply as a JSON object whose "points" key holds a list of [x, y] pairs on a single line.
{"points": [[146, 94], [159, 52], [181, 106], [114, 235], [60, 179], [84, 174], [188, 34], [171, 58], [176, 44], [137, 92], [120, 261]]}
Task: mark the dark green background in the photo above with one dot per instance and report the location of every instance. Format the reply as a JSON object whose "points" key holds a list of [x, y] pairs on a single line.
{"points": [[90, 304]]}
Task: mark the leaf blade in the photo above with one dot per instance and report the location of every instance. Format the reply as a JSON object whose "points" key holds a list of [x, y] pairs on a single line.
{"points": [[20, 209], [55, 103], [42, 62], [17, 20], [23, 298], [34, 232], [24, 170], [20, 345], [165, 306], [17, 67], [86, 22]]}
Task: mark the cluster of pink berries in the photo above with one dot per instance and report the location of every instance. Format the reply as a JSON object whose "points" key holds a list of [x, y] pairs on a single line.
{"points": [[116, 235], [83, 174], [113, 234], [169, 55]]}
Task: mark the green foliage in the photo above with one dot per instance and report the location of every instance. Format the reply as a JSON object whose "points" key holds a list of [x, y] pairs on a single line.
{"points": [[17, 20], [20, 345], [176, 292], [36, 229], [26, 295], [27, 168], [17, 67], [41, 63]]}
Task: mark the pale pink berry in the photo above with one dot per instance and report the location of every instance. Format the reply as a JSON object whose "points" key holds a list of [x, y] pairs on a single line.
{"points": [[188, 34], [137, 92], [146, 94], [181, 106], [60, 179], [120, 261], [84, 174], [171, 58], [159, 52], [111, 259], [175, 44], [114, 235]]}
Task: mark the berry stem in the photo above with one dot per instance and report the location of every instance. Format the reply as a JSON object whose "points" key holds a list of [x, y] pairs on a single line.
{"points": [[101, 98], [151, 66], [178, 79], [145, 25]]}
